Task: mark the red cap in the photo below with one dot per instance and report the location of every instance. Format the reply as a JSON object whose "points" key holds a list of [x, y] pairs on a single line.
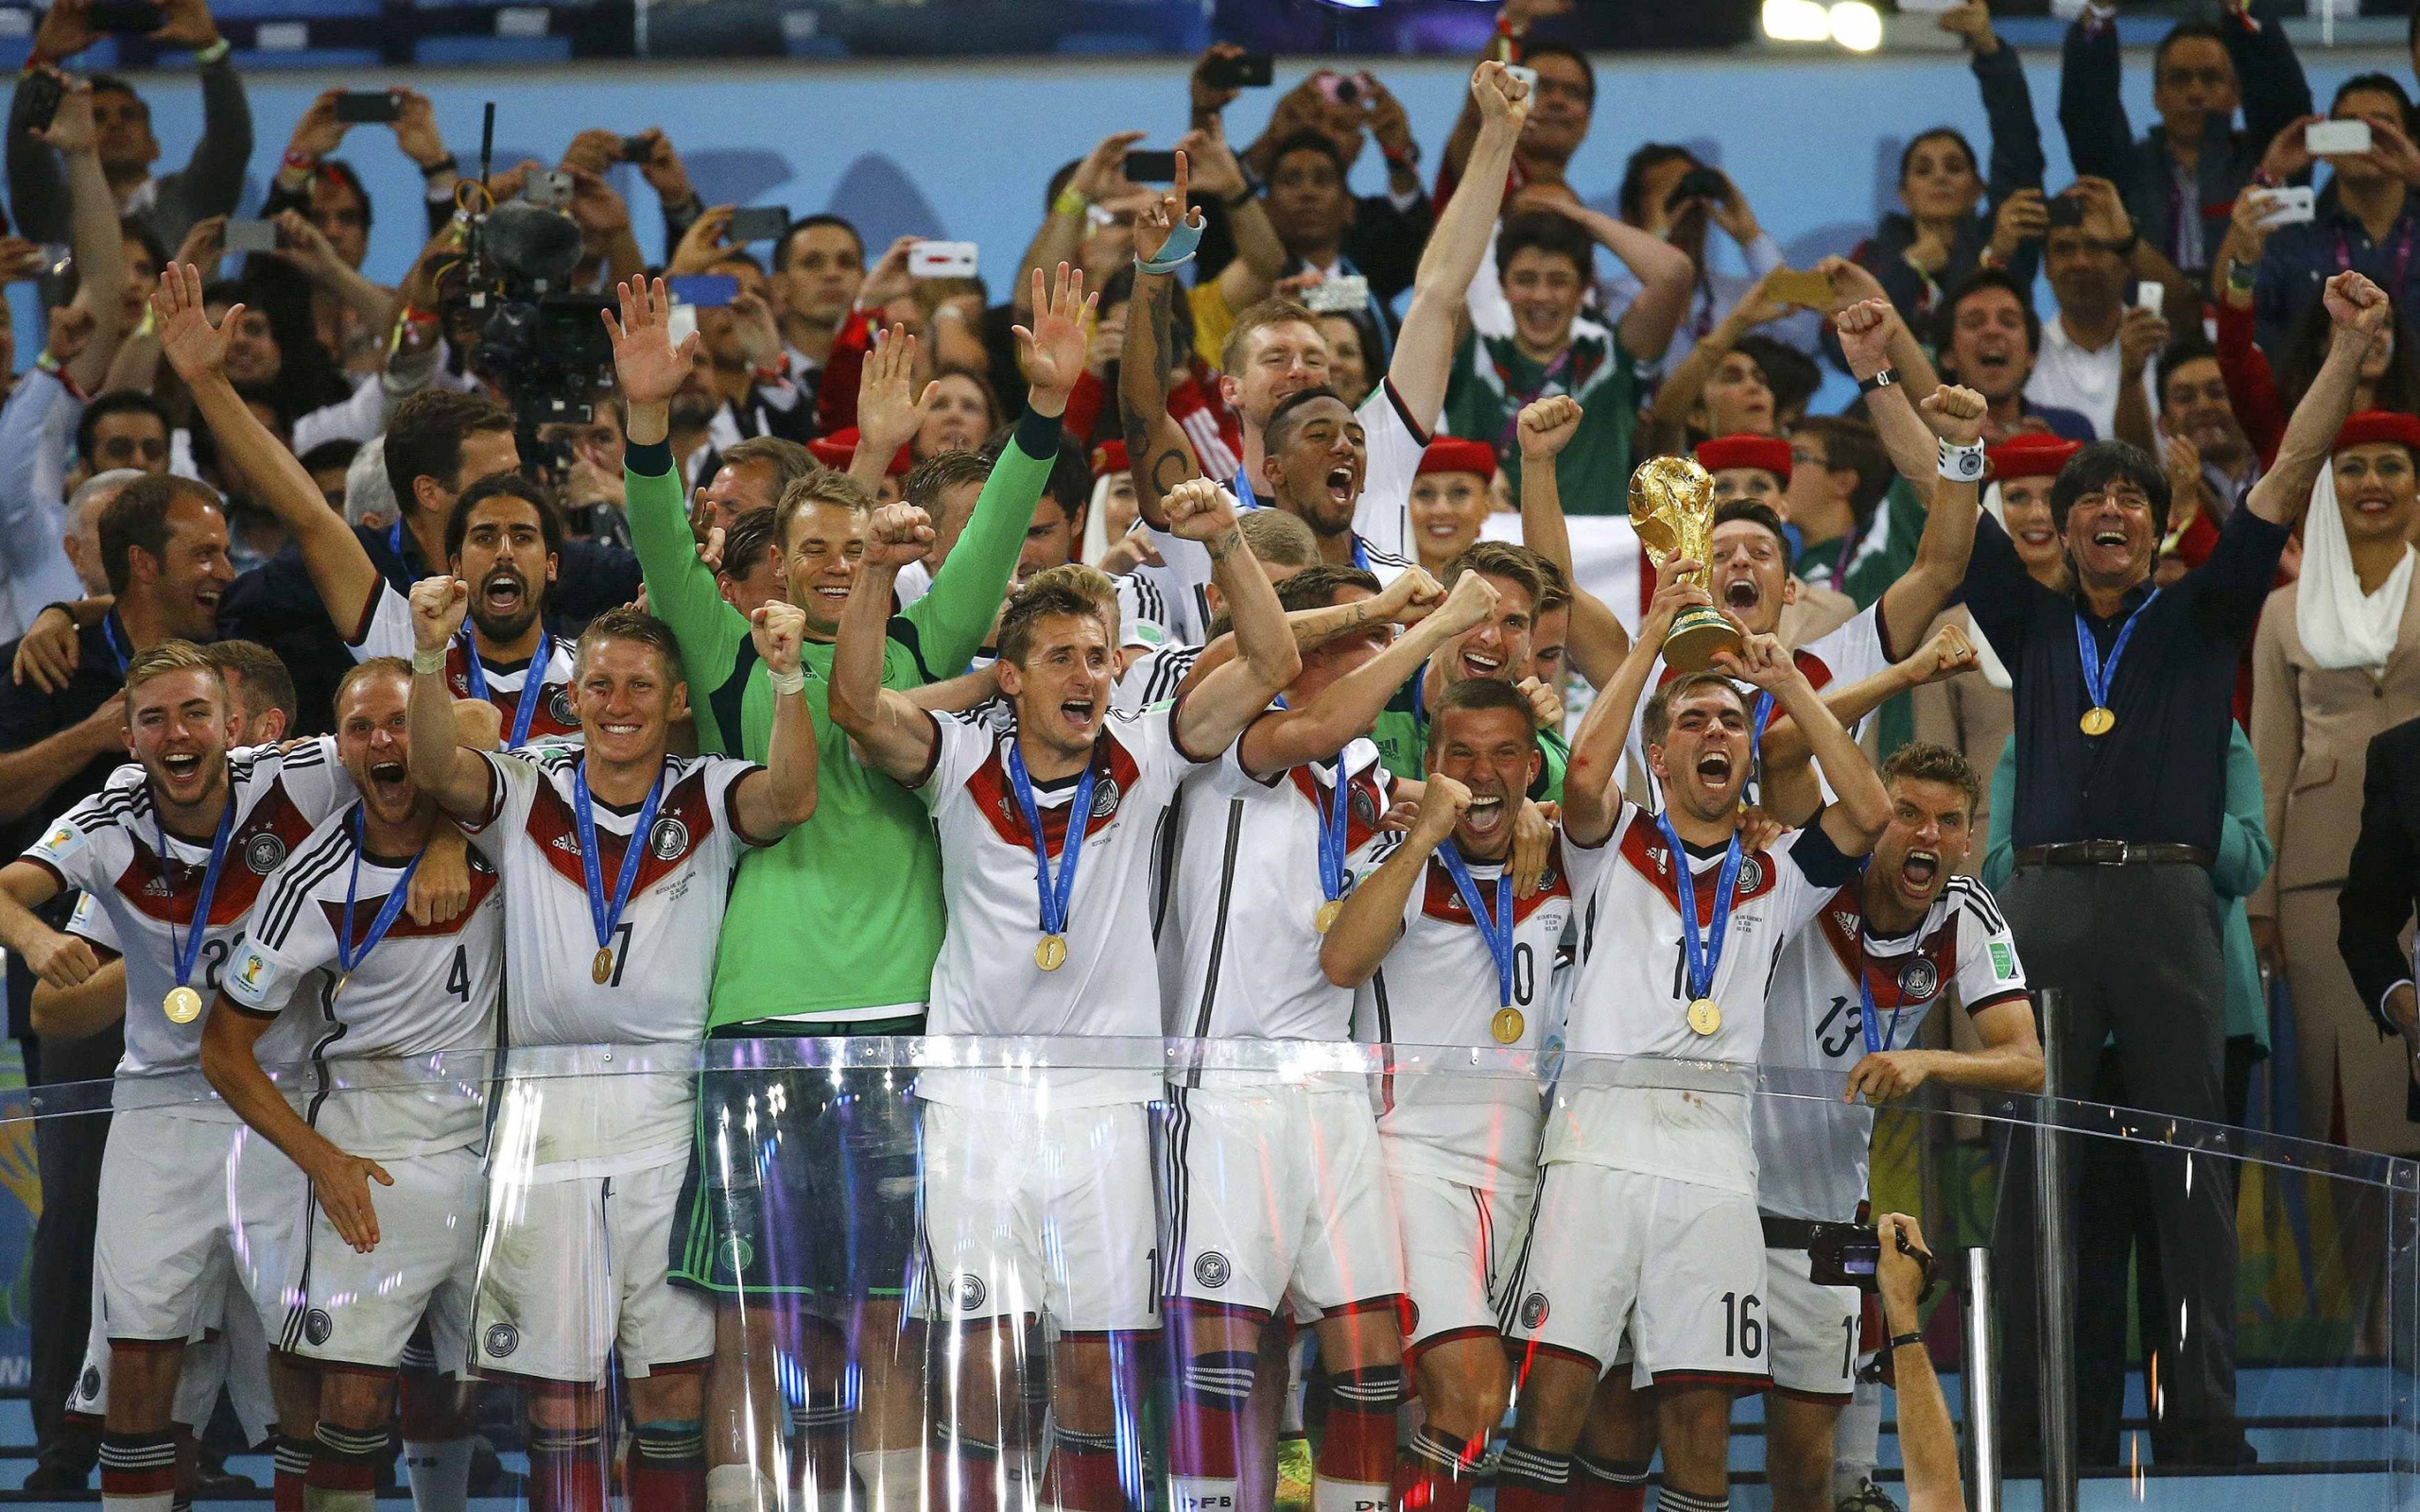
{"points": [[1455, 454], [1109, 457], [1768, 451], [840, 449], [2031, 456], [2374, 426]]}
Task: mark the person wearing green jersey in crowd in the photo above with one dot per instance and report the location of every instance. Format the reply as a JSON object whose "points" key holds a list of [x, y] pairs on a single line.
{"points": [[1497, 648], [831, 933]]}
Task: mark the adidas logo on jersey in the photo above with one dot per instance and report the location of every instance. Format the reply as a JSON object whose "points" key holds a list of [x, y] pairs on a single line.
{"points": [[565, 842]]}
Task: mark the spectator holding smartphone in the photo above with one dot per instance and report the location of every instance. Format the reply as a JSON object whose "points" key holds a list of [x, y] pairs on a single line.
{"points": [[2365, 217], [209, 185], [1669, 193]]}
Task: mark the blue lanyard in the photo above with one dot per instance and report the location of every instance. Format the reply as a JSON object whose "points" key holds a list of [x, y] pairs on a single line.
{"points": [[108, 633], [1334, 819], [1495, 928], [1245, 498], [2099, 674], [607, 918], [349, 954], [1360, 552], [1703, 952], [1056, 892], [188, 950], [533, 682]]}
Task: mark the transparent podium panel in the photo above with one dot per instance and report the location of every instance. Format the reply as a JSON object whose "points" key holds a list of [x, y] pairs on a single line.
{"points": [[993, 1275]]}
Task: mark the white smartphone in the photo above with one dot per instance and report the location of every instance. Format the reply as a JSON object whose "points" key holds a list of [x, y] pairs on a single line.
{"points": [[1331, 296], [1527, 76], [2151, 297], [682, 324], [2330, 138], [2290, 206], [941, 259]]}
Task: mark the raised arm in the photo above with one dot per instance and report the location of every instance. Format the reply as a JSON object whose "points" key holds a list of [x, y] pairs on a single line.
{"points": [[1372, 919], [1261, 257], [1862, 808], [1229, 698], [101, 251], [438, 766], [1943, 655], [1423, 360], [1157, 453], [2357, 311], [1598, 642], [1591, 801], [896, 737], [769, 804], [339, 568], [1955, 414], [1864, 329], [1348, 706], [1927, 1441]]}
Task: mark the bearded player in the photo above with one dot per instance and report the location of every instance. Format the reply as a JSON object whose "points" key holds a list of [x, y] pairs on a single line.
{"points": [[1648, 1159], [378, 991], [616, 860], [1443, 954], [170, 866]]}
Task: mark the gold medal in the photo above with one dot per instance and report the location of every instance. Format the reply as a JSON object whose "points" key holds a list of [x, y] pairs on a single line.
{"points": [[1507, 1026], [1704, 1017], [182, 1004], [1052, 952], [1325, 919], [603, 968], [342, 983], [2098, 721]]}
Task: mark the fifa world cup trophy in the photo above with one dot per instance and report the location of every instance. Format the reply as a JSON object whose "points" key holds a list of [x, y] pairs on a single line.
{"points": [[1671, 505]]}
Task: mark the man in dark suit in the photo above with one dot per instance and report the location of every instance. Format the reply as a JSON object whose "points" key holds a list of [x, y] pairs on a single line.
{"points": [[2381, 883]]}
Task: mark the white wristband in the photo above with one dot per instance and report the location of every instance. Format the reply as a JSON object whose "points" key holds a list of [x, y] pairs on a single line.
{"points": [[786, 684], [428, 660], [1963, 464]]}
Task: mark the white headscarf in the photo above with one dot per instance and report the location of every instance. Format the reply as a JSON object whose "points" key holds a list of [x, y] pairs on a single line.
{"points": [[2342, 627], [1987, 660]]}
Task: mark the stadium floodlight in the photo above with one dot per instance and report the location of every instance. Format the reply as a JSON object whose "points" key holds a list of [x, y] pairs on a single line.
{"points": [[1856, 26], [1796, 21]]}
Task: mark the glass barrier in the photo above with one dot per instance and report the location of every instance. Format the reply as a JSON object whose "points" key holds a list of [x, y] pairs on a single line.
{"points": [[1198, 1276]]}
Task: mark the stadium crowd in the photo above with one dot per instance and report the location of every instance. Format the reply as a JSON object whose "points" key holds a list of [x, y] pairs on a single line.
{"points": [[475, 745]]}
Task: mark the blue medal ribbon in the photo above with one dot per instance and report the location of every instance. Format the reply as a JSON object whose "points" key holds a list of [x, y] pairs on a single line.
{"points": [[2099, 674], [1245, 498], [109, 635], [534, 682], [1703, 952], [1877, 1038], [1495, 928], [1334, 832], [349, 954], [1056, 891], [608, 917], [188, 950]]}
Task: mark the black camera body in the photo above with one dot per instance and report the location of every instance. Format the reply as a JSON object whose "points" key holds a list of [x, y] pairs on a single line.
{"points": [[544, 346], [1697, 183]]}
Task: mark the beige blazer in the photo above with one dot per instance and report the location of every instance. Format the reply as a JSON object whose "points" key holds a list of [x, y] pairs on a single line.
{"points": [[2311, 729]]}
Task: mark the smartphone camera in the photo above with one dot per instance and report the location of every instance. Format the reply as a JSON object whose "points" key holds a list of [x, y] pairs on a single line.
{"points": [[1341, 89], [1697, 183]]}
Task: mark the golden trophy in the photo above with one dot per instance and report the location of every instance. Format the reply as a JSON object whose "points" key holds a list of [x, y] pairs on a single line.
{"points": [[1672, 506]]}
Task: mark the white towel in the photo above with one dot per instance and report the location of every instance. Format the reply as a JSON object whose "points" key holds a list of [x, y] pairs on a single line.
{"points": [[2342, 627]]}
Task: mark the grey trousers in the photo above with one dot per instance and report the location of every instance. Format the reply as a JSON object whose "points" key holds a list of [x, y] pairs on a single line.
{"points": [[2136, 950]]}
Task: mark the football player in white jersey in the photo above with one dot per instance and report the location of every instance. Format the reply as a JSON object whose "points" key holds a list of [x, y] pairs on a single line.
{"points": [[1049, 1211], [616, 861], [1277, 1193], [1444, 954], [1646, 1219], [379, 992], [1851, 993], [170, 866], [501, 536]]}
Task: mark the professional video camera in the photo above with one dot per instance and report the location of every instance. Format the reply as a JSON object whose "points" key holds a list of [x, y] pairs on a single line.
{"points": [[546, 347]]}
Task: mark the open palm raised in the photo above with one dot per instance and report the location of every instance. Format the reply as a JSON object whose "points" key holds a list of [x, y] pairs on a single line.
{"points": [[650, 368], [192, 345], [1054, 348]]}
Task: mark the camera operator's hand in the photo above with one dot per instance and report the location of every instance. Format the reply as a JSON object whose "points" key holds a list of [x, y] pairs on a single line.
{"points": [[415, 127], [599, 211], [1899, 1275], [304, 248], [648, 367], [591, 151], [319, 133], [194, 348], [701, 244], [63, 33], [663, 169]]}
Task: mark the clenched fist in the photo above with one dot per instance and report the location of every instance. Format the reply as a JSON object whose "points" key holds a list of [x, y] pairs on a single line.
{"points": [[439, 604]]}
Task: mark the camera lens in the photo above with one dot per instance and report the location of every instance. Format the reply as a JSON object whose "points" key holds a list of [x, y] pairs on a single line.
{"points": [[1348, 92]]}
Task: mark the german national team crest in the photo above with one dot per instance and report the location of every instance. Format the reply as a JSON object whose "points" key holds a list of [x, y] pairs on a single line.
{"points": [[88, 1386], [1533, 1309], [668, 839], [1365, 809], [1211, 1269], [1918, 980], [502, 1339], [262, 852], [971, 1292], [1752, 876], [1105, 796], [317, 1324], [559, 708]]}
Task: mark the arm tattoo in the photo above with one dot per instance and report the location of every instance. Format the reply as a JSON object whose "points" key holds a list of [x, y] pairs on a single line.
{"points": [[1223, 544]]}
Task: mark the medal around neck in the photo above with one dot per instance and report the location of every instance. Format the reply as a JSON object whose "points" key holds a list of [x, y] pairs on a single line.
{"points": [[1671, 505], [182, 1004], [1057, 892]]}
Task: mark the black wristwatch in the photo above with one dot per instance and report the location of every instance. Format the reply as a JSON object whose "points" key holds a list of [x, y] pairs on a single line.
{"points": [[1880, 380], [444, 164]]}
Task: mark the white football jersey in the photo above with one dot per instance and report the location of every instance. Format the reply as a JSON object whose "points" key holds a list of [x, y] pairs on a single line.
{"points": [[1680, 1109], [388, 632], [1239, 943], [1153, 678], [1812, 1153], [988, 980], [1848, 655], [1439, 985], [421, 991], [662, 949], [109, 847]]}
